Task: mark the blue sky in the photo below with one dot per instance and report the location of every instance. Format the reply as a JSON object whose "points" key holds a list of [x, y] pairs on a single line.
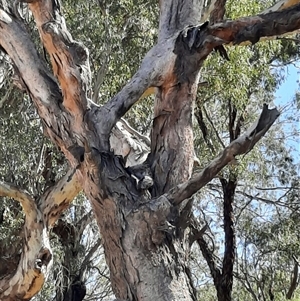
{"points": [[287, 90], [285, 95]]}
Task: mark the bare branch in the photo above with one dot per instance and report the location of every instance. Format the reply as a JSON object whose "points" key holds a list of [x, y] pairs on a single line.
{"points": [[33, 266], [25, 199], [69, 59], [16, 42], [59, 197], [239, 146], [204, 38], [152, 73], [253, 28], [36, 255], [294, 281]]}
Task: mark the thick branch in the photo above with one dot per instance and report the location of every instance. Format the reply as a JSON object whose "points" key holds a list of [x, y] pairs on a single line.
{"points": [[16, 42], [240, 146], [256, 27], [32, 270], [36, 255], [69, 59], [247, 29], [25, 199], [59, 197], [39, 83], [152, 73]]}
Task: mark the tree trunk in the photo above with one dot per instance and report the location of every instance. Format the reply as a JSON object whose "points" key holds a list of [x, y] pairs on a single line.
{"points": [[225, 282], [142, 211], [146, 256]]}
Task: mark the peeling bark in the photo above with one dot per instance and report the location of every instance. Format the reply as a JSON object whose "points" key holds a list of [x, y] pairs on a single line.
{"points": [[35, 262], [144, 229]]}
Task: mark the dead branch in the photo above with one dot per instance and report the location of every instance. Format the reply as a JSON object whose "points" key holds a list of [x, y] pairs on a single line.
{"points": [[239, 146]]}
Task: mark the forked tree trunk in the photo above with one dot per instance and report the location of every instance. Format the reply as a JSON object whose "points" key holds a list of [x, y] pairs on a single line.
{"points": [[144, 239], [143, 223]]}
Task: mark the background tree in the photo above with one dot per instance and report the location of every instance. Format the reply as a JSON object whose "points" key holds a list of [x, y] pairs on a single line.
{"points": [[131, 217]]}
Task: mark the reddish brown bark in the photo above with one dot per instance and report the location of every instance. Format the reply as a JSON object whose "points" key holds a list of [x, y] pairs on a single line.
{"points": [[144, 237]]}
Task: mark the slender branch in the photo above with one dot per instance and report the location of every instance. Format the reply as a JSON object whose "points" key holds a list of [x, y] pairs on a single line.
{"points": [[203, 128], [241, 145], [213, 127], [89, 255], [294, 281]]}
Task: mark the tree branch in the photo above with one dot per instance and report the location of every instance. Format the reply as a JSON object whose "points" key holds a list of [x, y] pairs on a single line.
{"points": [[69, 59], [247, 29], [33, 266], [241, 145], [22, 196], [59, 197], [40, 84], [16, 42], [251, 29], [294, 281], [152, 73]]}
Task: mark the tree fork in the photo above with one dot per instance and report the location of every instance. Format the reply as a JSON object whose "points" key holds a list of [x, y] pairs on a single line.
{"points": [[146, 251]]}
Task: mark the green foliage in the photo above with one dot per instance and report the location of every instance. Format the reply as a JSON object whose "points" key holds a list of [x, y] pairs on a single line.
{"points": [[118, 34]]}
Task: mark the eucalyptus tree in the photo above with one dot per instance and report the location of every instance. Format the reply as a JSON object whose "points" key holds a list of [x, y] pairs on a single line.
{"points": [[142, 207]]}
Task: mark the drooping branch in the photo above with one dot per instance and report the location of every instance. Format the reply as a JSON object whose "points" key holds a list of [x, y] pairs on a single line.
{"points": [[241, 145]]}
